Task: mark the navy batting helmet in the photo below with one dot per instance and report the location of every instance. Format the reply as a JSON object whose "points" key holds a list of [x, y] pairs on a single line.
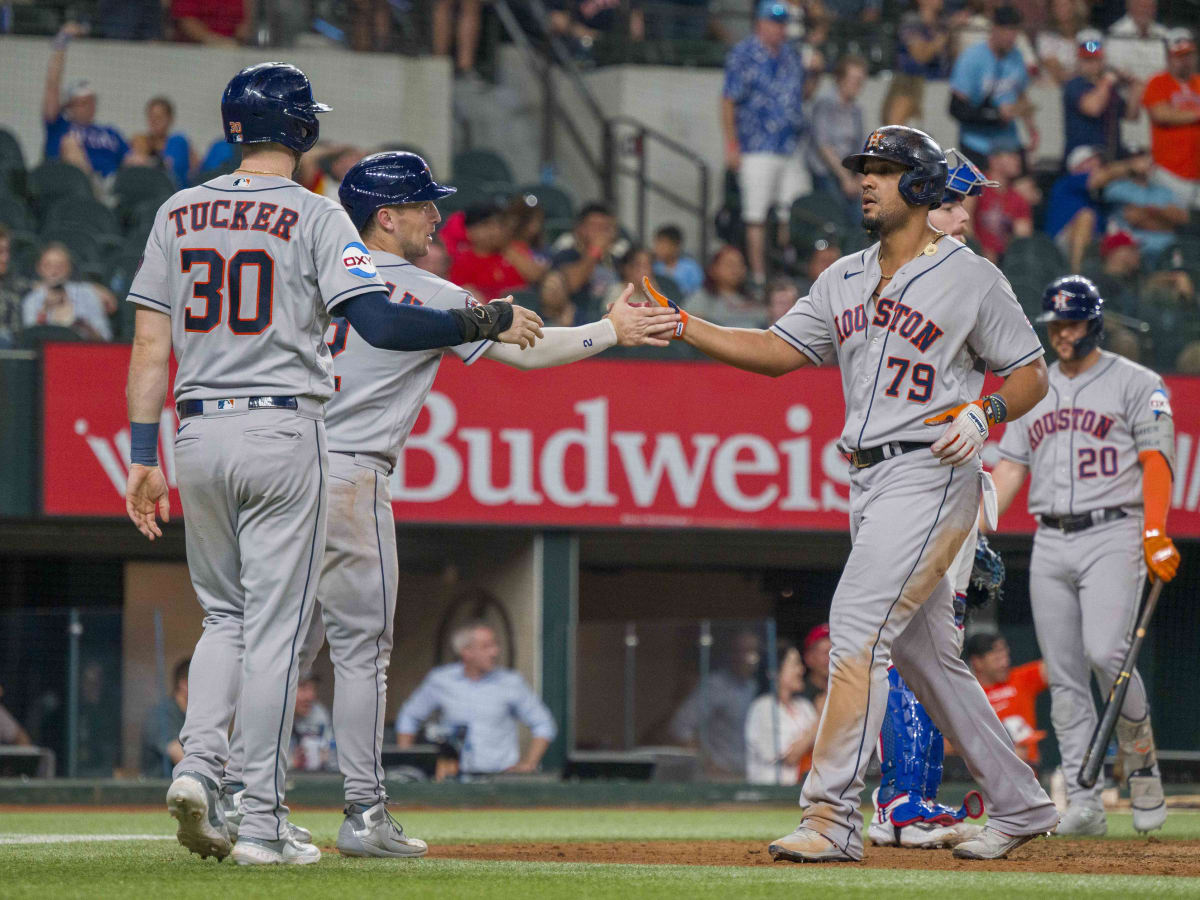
{"points": [[925, 181], [1075, 299], [273, 102], [387, 179]]}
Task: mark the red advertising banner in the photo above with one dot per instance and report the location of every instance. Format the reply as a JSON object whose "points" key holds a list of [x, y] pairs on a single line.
{"points": [[596, 444]]}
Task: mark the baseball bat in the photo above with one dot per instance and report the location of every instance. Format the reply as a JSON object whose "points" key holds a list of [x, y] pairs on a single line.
{"points": [[1094, 758]]}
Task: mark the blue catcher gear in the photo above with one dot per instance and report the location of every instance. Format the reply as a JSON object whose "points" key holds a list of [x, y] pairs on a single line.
{"points": [[387, 179], [925, 181], [1074, 298], [272, 102], [964, 178]]}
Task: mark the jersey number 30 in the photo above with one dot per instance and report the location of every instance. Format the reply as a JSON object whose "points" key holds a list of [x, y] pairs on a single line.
{"points": [[212, 289]]}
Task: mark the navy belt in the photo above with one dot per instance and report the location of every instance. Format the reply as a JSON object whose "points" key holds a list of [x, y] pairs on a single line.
{"points": [[188, 408], [864, 459], [1083, 521]]}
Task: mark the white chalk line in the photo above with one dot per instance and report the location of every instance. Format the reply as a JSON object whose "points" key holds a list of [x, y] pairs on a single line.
{"points": [[78, 838]]}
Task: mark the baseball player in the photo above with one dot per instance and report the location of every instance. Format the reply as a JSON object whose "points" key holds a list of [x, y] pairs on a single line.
{"points": [[906, 320], [911, 748], [240, 276], [391, 199], [1099, 450]]}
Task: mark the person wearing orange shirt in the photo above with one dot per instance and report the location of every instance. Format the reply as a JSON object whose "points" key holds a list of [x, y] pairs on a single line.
{"points": [[1012, 691], [1172, 98]]}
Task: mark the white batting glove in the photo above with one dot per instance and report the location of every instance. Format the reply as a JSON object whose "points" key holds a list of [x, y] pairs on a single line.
{"points": [[963, 438]]}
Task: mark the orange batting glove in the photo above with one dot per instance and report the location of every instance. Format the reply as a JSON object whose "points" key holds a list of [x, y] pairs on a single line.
{"points": [[1161, 555], [654, 294], [994, 410]]}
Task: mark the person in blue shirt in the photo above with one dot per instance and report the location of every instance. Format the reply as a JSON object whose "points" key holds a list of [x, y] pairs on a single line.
{"points": [[1146, 209], [1074, 213], [158, 146], [671, 261], [987, 85], [483, 702], [762, 123], [1093, 106], [71, 130]]}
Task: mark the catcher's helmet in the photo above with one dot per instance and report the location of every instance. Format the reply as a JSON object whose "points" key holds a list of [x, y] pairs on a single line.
{"points": [[273, 102], [1075, 299], [964, 178], [925, 181], [387, 179]]}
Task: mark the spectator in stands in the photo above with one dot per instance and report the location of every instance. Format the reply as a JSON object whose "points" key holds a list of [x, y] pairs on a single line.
{"points": [[837, 131], [988, 86], [311, 747], [12, 289], [98, 737], [488, 701], [781, 727], [56, 300], [436, 261], [1136, 48], [1120, 275], [825, 252], [1004, 212], [161, 749], [482, 264], [815, 649], [129, 20], [582, 22], [1074, 214], [587, 260], [158, 146], [1093, 103], [923, 55], [526, 251], [371, 25], [11, 732], [1058, 45], [722, 298], [456, 26], [672, 262], [865, 12], [1173, 100], [217, 23], [1147, 210], [762, 122], [554, 298], [720, 705], [782, 295], [70, 117], [636, 263], [1012, 691]]}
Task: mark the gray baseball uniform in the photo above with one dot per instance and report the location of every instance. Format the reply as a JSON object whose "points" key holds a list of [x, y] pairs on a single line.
{"points": [[379, 396], [903, 358], [248, 267], [1081, 446]]}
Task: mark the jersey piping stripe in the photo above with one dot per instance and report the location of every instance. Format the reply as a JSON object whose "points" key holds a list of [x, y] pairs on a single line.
{"points": [[380, 792], [1037, 351], [798, 344], [300, 625], [150, 300], [879, 634], [882, 350], [482, 348], [278, 187], [392, 265], [1071, 443]]}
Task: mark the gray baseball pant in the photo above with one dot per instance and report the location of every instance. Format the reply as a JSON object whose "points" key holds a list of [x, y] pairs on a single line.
{"points": [[908, 517], [253, 489], [1086, 588]]}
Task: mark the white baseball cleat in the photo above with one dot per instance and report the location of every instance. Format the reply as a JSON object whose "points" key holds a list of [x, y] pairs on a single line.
{"points": [[371, 831], [1146, 796], [918, 835], [231, 803], [194, 801], [1083, 821], [806, 845], [992, 843], [252, 851]]}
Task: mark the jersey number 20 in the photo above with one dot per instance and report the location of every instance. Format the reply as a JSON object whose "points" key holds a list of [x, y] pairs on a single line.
{"points": [[212, 289]]}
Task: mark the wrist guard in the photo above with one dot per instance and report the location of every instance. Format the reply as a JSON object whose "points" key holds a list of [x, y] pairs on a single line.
{"points": [[485, 322]]}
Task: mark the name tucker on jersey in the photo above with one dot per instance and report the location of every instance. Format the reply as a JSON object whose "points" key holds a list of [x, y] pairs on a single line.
{"points": [[897, 317], [1070, 419], [235, 215]]}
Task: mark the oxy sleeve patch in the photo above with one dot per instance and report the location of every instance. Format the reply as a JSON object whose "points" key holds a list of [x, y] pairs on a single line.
{"points": [[1159, 404], [357, 260]]}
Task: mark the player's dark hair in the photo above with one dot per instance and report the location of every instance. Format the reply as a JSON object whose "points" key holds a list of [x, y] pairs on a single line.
{"points": [[180, 673], [595, 208], [672, 233], [981, 643]]}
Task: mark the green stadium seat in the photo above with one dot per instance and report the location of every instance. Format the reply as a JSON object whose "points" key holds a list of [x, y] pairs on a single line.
{"points": [[23, 247], [79, 239], [482, 166], [91, 214], [15, 214], [12, 164], [53, 180], [137, 186]]}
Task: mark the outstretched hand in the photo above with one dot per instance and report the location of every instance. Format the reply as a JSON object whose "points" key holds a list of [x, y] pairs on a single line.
{"points": [[641, 325], [662, 300], [145, 494], [526, 327]]}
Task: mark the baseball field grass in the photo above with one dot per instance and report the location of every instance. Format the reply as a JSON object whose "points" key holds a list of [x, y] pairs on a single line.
{"points": [[518, 854]]}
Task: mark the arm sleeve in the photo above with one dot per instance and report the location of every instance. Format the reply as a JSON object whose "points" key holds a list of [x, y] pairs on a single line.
{"points": [[398, 326], [1014, 445], [344, 265], [530, 710], [805, 328], [558, 347], [1156, 490], [151, 287], [1002, 335], [416, 709]]}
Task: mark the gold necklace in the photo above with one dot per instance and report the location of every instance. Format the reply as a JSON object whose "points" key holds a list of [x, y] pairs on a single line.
{"points": [[929, 250], [258, 172]]}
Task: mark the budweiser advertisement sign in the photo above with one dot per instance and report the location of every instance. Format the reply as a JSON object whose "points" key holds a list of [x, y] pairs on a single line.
{"points": [[595, 444]]}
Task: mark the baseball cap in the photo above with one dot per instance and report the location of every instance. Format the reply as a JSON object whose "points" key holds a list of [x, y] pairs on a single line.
{"points": [[1080, 155], [1006, 17], [819, 633], [1115, 241], [1180, 40], [775, 10], [1091, 43], [76, 89]]}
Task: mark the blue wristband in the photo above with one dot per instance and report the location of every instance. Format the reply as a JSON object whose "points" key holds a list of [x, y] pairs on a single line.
{"points": [[143, 443]]}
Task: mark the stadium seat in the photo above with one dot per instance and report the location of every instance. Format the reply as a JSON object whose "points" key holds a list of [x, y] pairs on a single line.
{"points": [[80, 240], [77, 211], [12, 164], [135, 185], [33, 337], [554, 201], [1030, 264], [481, 166], [15, 214], [23, 247], [53, 180]]}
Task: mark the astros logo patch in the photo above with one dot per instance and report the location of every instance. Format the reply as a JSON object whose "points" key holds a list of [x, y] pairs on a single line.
{"points": [[357, 260], [875, 141]]}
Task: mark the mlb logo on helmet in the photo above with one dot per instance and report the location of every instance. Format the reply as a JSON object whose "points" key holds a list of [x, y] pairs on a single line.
{"points": [[235, 131], [357, 260]]}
